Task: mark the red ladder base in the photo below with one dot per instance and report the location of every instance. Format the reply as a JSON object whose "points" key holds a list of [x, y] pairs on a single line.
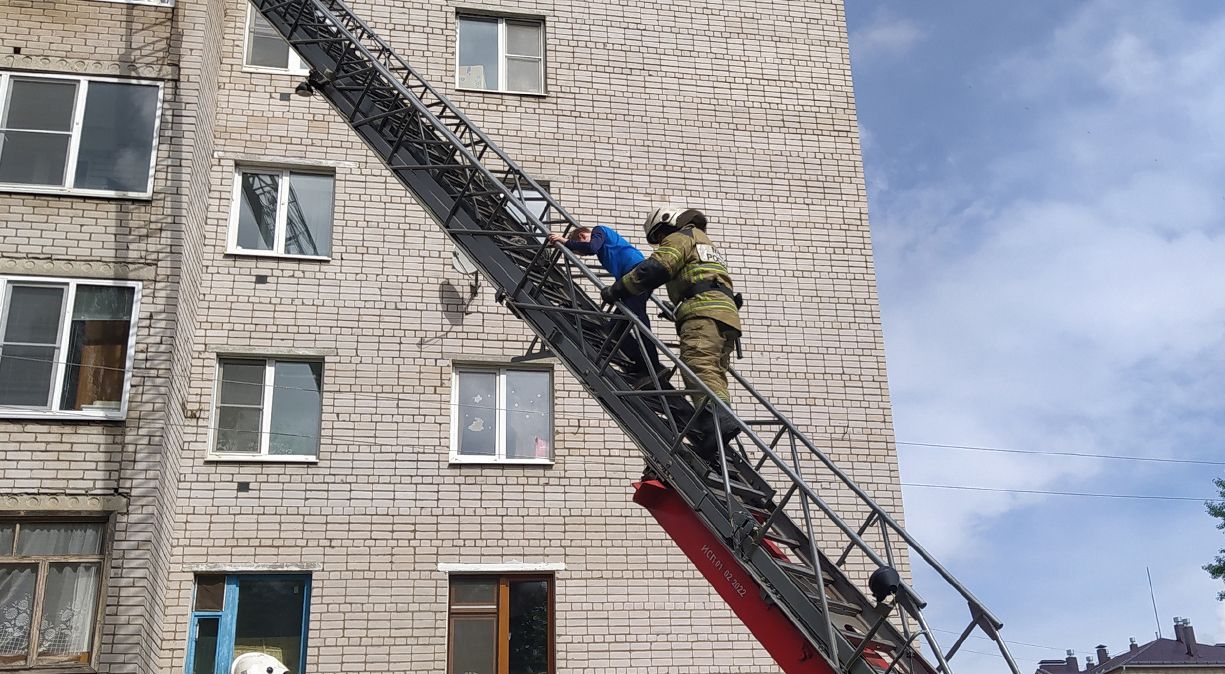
{"points": [[786, 644]]}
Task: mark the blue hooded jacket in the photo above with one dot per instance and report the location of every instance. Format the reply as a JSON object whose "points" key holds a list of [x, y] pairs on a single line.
{"points": [[617, 255]]}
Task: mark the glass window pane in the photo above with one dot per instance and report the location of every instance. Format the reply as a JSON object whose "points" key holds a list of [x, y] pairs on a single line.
{"points": [[44, 105], [474, 591], [524, 75], [242, 382], [70, 599], [534, 201], [60, 538], [257, 210], [297, 408], [16, 610], [528, 415], [6, 538], [478, 417], [529, 627], [34, 314], [308, 223], [116, 148], [29, 158], [96, 358], [25, 375], [204, 655], [238, 429], [269, 618], [474, 645], [523, 38], [210, 593], [266, 49], [478, 53]]}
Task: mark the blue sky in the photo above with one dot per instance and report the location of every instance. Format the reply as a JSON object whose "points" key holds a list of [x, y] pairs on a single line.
{"points": [[1047, 199]]}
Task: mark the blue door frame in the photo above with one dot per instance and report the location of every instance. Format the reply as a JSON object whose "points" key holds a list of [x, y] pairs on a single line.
{"points": [[228, 621]]}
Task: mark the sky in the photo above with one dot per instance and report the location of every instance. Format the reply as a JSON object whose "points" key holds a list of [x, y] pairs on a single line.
{"points": [[1046, 186]]}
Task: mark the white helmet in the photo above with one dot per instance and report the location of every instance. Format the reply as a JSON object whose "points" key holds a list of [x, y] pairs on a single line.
{"points": [[672, 215]]}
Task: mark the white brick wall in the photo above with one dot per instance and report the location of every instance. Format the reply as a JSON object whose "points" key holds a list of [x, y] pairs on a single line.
{"points": [[744, 109]]}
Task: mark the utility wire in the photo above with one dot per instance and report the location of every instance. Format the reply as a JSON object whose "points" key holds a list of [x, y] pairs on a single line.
{"points": [[1117, 457], [1048, 492]]}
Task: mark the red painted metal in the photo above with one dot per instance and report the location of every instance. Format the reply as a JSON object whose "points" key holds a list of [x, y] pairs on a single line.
{"points": [[785, 643]]}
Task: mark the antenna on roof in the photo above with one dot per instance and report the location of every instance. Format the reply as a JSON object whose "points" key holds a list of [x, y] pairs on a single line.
{"points": [[1154, 598]]}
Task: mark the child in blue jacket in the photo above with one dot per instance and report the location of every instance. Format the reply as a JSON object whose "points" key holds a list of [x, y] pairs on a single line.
{"points": [[618, 257]]}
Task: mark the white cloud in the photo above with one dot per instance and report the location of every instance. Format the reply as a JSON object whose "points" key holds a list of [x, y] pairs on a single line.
{"points": [[885, 36]]}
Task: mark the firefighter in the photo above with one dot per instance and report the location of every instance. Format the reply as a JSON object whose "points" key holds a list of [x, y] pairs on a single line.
{"points": [[707, 315]]}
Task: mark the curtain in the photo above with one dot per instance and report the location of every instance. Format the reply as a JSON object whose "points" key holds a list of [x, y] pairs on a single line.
{"points": [[16, 608], [69, 601]]}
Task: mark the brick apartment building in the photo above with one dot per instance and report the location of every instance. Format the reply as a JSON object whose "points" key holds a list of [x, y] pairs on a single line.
{"points": [[248, 403]]}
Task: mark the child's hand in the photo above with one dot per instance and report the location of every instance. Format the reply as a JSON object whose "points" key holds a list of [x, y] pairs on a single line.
{"points": [[554, 237]]}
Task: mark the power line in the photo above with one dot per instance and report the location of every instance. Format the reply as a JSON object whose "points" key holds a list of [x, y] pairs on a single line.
{"points": [[1047, 492], [1117, 457]]}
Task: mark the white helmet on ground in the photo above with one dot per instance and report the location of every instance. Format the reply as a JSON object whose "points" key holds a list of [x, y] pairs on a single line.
{"points": [[672, 215]]}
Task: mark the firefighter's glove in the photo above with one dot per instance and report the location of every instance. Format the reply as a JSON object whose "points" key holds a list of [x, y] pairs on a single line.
{"points": [[610, 294]]}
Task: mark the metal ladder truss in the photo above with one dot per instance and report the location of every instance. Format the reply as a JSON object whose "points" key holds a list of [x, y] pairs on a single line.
{"points": [[763, 503]]}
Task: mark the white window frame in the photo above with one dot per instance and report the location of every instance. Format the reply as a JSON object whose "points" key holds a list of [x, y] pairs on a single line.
{"points": [[78, 117], [296, 67], [155, 3], [282, 210], [265, 422], [499, 455], [57, 373], [502, 55]]}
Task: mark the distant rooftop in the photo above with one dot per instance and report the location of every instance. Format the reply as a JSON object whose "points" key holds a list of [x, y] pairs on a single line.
{"points": [[1183, 651]]}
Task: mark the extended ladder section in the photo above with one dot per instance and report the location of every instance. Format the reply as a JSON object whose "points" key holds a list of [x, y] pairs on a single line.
{"points": [[755, 527]]}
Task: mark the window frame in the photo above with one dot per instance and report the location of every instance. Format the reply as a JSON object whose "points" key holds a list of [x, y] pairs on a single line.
{"points": [[502, 614], [60, 366], [74, 144], [103, 560], [154, 3], [499, 455], [296, 66], [266, 411], [501, 88], [282, 213], [227, 617]]}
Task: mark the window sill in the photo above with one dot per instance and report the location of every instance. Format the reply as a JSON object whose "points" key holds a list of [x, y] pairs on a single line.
{"points": [[278, 256], [491, 461], [260, 458], [63, 415], [168, 4], [499, 92], [73, 192], [263, 70]]}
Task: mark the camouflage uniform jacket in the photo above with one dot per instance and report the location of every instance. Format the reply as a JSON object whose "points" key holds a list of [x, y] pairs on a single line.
{"points": [[683, 259]]}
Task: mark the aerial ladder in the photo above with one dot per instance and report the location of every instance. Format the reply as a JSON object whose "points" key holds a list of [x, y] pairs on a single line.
{"points": [[752, 526]]}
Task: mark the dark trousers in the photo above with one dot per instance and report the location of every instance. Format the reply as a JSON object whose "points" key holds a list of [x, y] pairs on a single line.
{"points": [[648, 354]]}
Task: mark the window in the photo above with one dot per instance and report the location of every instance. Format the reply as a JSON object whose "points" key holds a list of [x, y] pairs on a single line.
{"points": [[502, 415], [268, 407], [500, 54], [266, 49], [500, 624], [532, 198], [50, 584], [236, 614], [281, 212], [77, 135], [66, 346]]}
